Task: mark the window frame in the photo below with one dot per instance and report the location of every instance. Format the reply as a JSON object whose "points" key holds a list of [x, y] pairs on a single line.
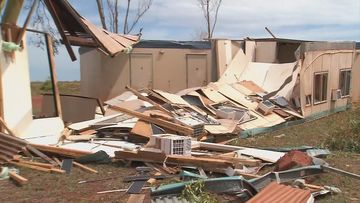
{"points": [[314, 87], [340, 72]]}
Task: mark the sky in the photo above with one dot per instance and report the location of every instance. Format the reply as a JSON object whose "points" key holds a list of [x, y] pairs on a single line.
{"points": [[326, 20]]}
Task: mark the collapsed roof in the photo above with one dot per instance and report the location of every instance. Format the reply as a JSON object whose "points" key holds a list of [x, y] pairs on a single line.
{"points": [[76, 30]]}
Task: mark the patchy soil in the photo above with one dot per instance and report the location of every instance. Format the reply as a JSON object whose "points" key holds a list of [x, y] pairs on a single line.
{"points": [[52, 187]]}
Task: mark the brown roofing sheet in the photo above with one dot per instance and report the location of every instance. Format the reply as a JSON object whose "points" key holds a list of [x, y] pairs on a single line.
{"points": [[72, 25], [277, 193]]}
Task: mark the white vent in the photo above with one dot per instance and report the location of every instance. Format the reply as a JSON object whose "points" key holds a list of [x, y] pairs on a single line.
{"points": [[336, 94]]}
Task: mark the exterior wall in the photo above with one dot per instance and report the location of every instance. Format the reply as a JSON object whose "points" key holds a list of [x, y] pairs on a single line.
{"points": [[105, 77], [15, 87], [15, 101], [323, 61], [266, 52], [223, 55], [355, 86]]}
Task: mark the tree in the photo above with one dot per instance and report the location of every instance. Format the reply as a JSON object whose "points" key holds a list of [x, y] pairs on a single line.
{"points": [[210, 9], [112, 21]]}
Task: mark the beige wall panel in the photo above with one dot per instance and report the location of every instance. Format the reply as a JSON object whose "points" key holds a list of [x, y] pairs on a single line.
{"points": [[115, 75], [266, 52], [224, 55], [90, 73], [326, 67], [196, 65], [235, 47], [16, 93], [169, 69], [306, 83], [250, 47], [355, 85], [141, 70]]}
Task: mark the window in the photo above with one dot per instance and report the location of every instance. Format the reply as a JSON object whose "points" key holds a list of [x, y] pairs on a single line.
{"points": [[344, 82], [308, 100], [320, 87]]}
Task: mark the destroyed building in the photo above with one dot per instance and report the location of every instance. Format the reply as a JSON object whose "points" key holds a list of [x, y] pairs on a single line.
{"points": [[186, 95]]}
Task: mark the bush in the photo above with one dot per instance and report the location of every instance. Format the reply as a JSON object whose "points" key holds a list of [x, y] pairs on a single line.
{"points": [[194, 193]]}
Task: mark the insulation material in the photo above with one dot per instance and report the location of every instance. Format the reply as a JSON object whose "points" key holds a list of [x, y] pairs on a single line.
{"points": [[271, 77], [235, 69]]}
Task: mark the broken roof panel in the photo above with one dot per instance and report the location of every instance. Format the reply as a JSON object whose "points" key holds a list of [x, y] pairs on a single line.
{"points": [[76, 30], [275, 192], [174, 44]]}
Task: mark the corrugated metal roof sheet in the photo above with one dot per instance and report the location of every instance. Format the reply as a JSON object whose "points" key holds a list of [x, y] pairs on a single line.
{"points": [[277, 193]]}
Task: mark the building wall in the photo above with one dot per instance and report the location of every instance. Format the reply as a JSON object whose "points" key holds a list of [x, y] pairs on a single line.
{"points": [[323, 61], [15, 87], [105, 77], [355, 86]]}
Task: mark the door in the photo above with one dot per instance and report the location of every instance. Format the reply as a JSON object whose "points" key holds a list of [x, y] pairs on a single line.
{"points": [[196, 70], [141, 69]]}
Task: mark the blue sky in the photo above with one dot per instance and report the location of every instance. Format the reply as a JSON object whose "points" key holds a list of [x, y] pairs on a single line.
{"points": [[330, 20]]}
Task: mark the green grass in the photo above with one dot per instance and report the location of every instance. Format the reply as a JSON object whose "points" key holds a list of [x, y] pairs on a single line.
{"points": [[65, 87], [332, 131]]}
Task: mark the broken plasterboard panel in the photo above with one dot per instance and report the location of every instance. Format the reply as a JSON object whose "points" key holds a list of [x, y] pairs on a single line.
{"points": [[213, 95], [234, 70], [110, 147], [126, 96], [86, 124], [173, 98], [266, 155], [48, 127]]}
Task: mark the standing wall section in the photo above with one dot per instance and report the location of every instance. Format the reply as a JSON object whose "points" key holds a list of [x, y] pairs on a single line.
{"points": [[320, 62]]}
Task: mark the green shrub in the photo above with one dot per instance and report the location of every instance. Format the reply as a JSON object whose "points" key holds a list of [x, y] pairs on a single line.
{"points": [[195, 193], [348, 137]]}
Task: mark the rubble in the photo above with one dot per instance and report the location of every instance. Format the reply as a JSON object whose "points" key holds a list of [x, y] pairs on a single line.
{"points": [[176, 135]]}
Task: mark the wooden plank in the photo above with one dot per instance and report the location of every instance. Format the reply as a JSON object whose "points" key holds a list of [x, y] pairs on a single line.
{"points": [[199, 161], [40, 154], [140, 96], [54, 81], [12, 11], [9, 149], [26, 23], [61, 151], [57, 170], [10, 144], [18, 178], [44, 165], [58, 23], [142, 128], [85, 168], [38, 168], [166, 124], [136, 198], [3, 123], [157, 157]]}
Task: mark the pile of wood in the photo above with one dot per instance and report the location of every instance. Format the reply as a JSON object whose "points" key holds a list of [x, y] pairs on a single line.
{"points": [[18, 152]]}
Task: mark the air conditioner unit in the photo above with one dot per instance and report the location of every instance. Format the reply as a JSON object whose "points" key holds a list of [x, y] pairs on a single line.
{"points": [[336, 94], [265, 107], [171, 144]]}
